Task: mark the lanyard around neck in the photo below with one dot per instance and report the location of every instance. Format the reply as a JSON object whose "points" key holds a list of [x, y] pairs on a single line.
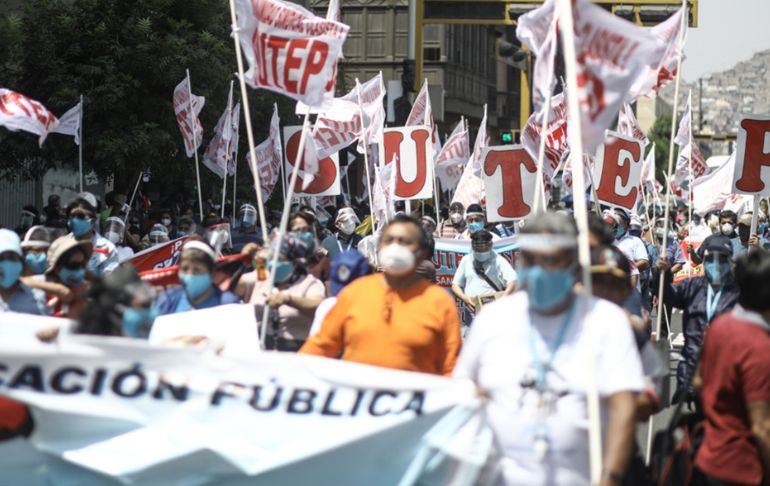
{"points": [[711, 302], [350, 243], [542, 366]]}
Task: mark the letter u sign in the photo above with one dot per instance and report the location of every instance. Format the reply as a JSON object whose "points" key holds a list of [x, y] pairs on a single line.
{"points": [[411, 149]]}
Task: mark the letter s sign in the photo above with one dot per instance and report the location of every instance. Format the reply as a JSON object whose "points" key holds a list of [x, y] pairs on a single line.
{"points": [[412, 151], [327, 180]]}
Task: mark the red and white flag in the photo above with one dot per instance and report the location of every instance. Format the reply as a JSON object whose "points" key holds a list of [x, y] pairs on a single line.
{"points": [[17, 112], [612, 55], [537, 29], [470, 189], [69, 123], [184, 118], [659, 74], [684, 133], [588, 168], [289, 49], [422, 114], [269, 156], [218, 151], [235, 120], [648, 169], [340, 125], [628, 125], [453, 157], [690, 154], [481, 141], [555, 136], [711, 192]]}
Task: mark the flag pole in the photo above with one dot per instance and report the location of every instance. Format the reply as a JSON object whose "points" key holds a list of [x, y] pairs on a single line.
{"points": [[366, 154], [667, 210], [247, 114], [276, 249], [566, 26], [80, 145], [195, 141], [235, 180]]}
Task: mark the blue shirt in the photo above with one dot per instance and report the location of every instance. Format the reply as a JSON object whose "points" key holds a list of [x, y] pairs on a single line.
{"points": [[175, 300], [26, 301]]}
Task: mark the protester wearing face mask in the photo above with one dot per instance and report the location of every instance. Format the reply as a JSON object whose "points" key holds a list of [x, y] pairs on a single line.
{"points": [[302, 226], [528, 355], [701, 299], [345, 238], [35, 246], [247, 229], [394, 319], [167, 221], [483, 276], [157, 236], [728, 222], [115, 230], [29, 217], [454, 224], [197, 289], [15, 296], [294, 298], [66, 277], [631, 246], [81, 219], [186, 227], [475, 221]]}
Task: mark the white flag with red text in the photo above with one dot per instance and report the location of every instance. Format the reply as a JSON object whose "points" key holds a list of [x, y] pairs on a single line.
{"points": [[69, 124], [218, 151], [612, 55], [481, 141], [341, 124], [689, 155], [422, 114], [684, 133], [555, 136], [269, 156], [453, 156], [187, 121], [17, 112], [384, 192], [648, 169], [628, 125], [235, 122], [537, 29], [289, 49]]}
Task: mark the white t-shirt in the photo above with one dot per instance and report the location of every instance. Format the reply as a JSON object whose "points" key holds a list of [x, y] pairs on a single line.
{"points": [[498, 354], [632, 247], [498, 270]]}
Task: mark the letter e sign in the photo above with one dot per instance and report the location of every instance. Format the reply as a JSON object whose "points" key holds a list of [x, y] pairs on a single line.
{"points": [[618, 170]]}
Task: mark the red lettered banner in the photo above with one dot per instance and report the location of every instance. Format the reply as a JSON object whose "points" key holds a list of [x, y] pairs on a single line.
{"points": [[412, 151], [269, 156], [618, 170], [17, 112], [326, 181], [159, 257], [290, 50], [183, 118], [510, 174], [752, 156]]}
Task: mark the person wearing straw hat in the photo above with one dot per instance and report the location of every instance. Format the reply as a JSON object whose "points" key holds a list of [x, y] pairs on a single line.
{"points": [[528, 354], [15, 296], [66, 277], [196, 264]]}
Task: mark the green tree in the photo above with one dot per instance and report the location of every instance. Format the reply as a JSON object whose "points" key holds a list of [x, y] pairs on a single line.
{"points": [[660, 134], [125, 57]]}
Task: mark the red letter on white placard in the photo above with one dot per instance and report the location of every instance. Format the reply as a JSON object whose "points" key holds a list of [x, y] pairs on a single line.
{"points": [[411, 149], [752, 156], [618, 170], [509, 179]]}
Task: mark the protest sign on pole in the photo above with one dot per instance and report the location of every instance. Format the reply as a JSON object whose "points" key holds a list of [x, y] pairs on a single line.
{"points": [[327, 178], [618, 170], [187, 108], [453, 157], [270, 156], [509, 174], [17, 112], [131, 412], [752, 160], [289, 49], [159, 256], [411, 149]]}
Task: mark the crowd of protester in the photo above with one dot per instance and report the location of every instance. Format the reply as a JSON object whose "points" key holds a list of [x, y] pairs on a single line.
{"points": [[346, 292]]}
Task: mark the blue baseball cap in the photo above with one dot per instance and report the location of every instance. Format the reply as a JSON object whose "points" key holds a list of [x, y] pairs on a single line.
{"points": [[346, 267]]}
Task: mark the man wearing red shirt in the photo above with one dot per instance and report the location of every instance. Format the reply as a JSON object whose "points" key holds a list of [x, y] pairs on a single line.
{"points": [[735, 374]]}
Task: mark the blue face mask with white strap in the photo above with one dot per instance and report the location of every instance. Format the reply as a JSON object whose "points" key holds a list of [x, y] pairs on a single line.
{"points": [[79, 226], [72, 278], [483, 256], [546, 288], [475, 227], [37, 262], [283, 270], [196, 285]]}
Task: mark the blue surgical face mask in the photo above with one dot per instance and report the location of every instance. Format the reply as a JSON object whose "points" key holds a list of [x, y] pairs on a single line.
{"points": [[323, 221], [283, 270], [718, 272], [475, 226], [137, 322], [196, 285], [37, 262], [546, 288], [79, 227], [619, 232], [483, 256], [72, 278], [10, 270], [306, 236], [181, 233]]}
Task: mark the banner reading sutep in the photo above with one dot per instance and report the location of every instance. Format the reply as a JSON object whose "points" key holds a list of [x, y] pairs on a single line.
{"points": [[290, 50], [125, 410]]}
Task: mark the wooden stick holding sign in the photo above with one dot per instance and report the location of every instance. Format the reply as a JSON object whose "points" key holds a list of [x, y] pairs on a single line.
{"points": [[566, 28]]}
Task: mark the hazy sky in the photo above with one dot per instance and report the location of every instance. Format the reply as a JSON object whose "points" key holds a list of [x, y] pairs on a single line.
{"points": [[728, 31]]}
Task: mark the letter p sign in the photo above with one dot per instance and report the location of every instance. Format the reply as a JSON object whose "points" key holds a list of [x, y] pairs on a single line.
{"points": [[752, 156]]}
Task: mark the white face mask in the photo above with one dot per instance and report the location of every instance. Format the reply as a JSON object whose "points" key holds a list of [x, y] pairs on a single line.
{"points": [[347, 227], [727, 229], [456, 218], [396, 260], [113, 237], [166, 221]]}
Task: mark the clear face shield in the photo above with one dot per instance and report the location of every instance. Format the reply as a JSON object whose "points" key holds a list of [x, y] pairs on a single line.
{"points": [[26, 219], [114, 229], [248, 216], [158, 234]]}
